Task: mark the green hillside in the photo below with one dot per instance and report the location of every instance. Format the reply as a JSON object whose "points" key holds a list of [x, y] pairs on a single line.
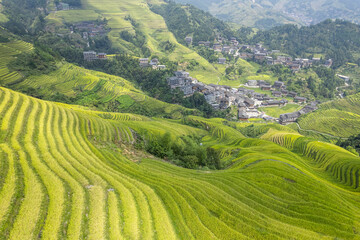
{"points": [[337, 40], [70, 173], [76, 85], [339, 118], [136, 18], [89, 155]]}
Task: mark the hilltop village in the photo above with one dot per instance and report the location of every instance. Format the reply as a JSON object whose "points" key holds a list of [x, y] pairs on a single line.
{"points": [[246, 100], [257, 53]]}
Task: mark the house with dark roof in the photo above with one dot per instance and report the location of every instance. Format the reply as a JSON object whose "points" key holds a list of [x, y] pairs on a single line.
{"points": [[188, 40], [265, 87], [274, 103], [102, 56], [292, 94], [276, 94], [144, 62], [182, 74], [278, 85], [90, 56], [222, 60], [300, 99], [289, 117], [249, 102]]}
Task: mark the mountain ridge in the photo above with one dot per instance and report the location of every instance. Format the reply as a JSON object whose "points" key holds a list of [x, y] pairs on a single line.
{"points": [[266, 14]]}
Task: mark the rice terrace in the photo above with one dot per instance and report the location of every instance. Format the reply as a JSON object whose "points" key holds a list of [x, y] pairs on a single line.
{"points": [[153, 119]]}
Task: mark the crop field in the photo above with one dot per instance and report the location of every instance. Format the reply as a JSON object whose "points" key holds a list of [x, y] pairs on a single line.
{"points": [[249, 73], [8, 52], [92, 86], [73, 81], [340, 118], [73, 16], [63, 174], [277, 111]]}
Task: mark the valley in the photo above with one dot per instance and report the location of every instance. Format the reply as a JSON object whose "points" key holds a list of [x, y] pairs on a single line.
{"points": [[152, 120], [267, 14]]}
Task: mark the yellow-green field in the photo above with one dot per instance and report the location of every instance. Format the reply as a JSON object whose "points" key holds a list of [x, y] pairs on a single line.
{"points": [[340, 118], [249, 73], [153, 26], [8, 52], [72, 80], [277, 111], [72, 173]]}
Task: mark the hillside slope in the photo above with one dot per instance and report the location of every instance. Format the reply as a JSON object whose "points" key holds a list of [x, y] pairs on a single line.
{"points": [[66, 173], [136, 18], [80, 86], [339, 118]]}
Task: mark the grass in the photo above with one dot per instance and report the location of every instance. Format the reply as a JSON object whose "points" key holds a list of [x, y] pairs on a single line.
{"points": [[277, 111], [250, 72], [73, 16]]}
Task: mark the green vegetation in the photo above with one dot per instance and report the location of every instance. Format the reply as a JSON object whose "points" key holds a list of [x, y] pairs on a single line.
{"points": [[277, 111], [265, 14], [352, 144], [71, 84], [83, 175], [24, 17], [94, 157], [184, 21], [154, 82], [339, 118], [337, 40], [45, 77], [153, 29]]}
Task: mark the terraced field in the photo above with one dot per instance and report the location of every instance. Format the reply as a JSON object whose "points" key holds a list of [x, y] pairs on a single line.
{"points": [[277, 111], [153, 27], [93, 86], [8, 52], [64, 174], [339, 118], [102, 88]]}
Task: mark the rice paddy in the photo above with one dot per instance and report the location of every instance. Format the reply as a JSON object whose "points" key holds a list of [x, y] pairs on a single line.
{"points": [[63, 174], [68, 172], [340, 118]]}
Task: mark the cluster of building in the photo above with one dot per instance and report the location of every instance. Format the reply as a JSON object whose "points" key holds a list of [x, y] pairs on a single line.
{"points": [[92, 55], [90, 29], [258, 53], [292, 117], [153, 63], [246, 100], [222, 97], [278, 89]]}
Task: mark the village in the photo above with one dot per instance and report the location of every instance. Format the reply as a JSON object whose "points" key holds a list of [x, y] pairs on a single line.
{"points": [[246, 100], [257, 53]]}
